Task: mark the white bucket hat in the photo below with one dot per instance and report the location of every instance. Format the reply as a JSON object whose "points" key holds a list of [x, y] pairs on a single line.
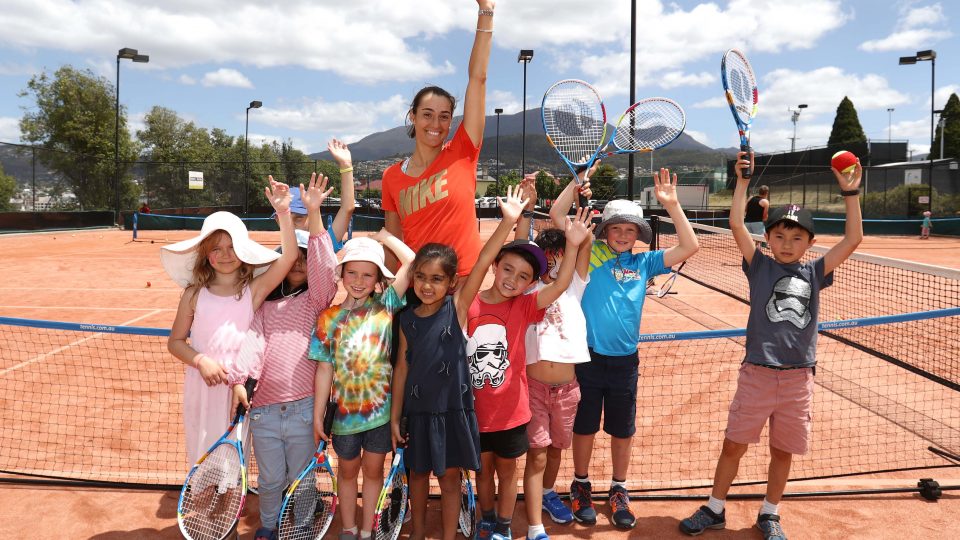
{"points": [[364, 249], [624, 211], [179, 259]]}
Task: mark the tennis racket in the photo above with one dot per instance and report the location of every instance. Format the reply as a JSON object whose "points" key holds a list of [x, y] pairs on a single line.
{"points": [[468, 506], [740, 87], [647, 125], [668, 284], [392, 503], [216, 487], [311, 500], [575, 122]]}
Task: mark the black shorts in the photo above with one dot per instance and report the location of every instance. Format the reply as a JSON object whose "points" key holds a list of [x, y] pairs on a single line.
{"points": [[508, 444], [608, 385]]}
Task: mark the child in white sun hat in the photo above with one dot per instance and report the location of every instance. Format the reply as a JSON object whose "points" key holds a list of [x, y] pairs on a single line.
{"points": [[226, 277]]}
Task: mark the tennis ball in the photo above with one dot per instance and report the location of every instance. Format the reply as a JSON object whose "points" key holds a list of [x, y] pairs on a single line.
{"points": [[148, 284], [844, 161]]}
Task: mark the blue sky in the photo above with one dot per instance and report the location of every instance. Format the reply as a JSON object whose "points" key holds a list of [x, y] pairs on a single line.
{"points": [[346, 69]]}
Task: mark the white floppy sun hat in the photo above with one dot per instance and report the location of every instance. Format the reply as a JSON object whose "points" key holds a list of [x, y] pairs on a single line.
{"points": [[179, 259], [364, 249]]}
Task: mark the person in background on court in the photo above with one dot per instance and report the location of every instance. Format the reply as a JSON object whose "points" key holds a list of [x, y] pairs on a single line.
{"points": [[429, 197], [757, 208], [775, 383], [341, 223], [925, 226], [144, 209], [613, 305]]}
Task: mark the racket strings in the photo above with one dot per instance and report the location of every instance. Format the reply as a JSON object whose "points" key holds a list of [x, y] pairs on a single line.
{"points": [[214, 495], [309, 512], [574, 120], [741, 84], [651, 124]]}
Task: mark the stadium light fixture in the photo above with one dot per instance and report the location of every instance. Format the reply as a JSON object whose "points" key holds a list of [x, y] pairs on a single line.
{"points": [[246, 148], [923, 56], [525, 57], [125, 53]]}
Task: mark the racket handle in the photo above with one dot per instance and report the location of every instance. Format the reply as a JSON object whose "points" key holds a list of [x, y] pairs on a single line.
{"points": [[328, 416], [582, 201], [746, 170], [403, 428], [250, 386]]}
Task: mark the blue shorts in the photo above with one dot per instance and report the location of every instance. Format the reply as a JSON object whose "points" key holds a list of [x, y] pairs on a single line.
{"points": [[608, 386], [378, 440]]}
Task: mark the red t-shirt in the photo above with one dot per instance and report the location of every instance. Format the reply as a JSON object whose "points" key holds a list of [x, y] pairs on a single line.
{"points": [[496, 352], [438, 206]]}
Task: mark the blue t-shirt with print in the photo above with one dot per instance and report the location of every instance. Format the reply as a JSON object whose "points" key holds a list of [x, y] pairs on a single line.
{"points": [[613, 300]]}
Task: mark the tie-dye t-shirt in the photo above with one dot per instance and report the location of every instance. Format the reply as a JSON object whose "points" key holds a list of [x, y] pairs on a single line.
{"points": [[357, 342]]}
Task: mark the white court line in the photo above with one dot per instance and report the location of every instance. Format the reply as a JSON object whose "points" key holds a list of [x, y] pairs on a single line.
{"points": [[68, 345], [154, 310]]}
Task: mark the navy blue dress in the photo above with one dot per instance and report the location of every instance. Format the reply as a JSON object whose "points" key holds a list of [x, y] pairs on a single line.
{"points": [[438, 402]]}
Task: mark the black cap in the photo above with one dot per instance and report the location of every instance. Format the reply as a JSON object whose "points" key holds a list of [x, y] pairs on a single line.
{"points": [[791, 212]]}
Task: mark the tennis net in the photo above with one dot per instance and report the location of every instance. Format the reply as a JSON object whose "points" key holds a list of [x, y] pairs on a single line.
{"points": [[104, 403]]}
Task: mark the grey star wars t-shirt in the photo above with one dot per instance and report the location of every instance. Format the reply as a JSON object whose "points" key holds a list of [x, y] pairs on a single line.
{"points": [[784, 303]]}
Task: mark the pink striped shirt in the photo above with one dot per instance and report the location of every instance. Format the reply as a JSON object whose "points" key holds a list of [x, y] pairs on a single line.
{"points": [[277, 343]]}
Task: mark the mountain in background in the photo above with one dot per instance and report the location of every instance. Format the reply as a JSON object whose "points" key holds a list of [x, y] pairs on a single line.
{"points": [[394, 143]]}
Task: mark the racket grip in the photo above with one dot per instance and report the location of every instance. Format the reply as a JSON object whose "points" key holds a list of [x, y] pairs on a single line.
{"points": [[250, 386], [328, 417], [582, 201], [403, 427], [746, 170]]}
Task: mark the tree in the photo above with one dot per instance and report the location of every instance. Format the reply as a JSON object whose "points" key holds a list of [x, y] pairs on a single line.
{"points": [[8, 187], [951, 131], [548, 187], [74, 118], [846, 125], [506, 179], [603, 183], [175, 147]]}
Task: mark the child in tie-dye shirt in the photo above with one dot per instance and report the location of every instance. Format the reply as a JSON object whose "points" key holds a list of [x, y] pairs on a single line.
{"points": [[352, 346]]}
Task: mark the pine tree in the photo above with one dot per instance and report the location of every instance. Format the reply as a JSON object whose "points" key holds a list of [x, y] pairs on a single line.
{"points": [[950, 132], [846, 126]]}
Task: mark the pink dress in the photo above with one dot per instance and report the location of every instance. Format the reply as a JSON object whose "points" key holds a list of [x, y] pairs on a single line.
{"points": [[219, 327]]}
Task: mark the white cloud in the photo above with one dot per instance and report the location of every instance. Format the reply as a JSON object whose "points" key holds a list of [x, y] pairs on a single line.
{"points": [[942, 94], [226, 77], [187, 80], [305, 146], [916, 28], [711, 103], [346, 120], [369, 41], [506, 101], [12, 68], [678, 78], [822, 90], [9, 129]]}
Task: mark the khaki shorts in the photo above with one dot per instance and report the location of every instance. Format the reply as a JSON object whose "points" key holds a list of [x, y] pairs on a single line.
{"points": [[552, 408], [784, 397]]}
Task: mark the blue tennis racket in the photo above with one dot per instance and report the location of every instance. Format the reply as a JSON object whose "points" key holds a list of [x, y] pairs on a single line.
{"points": [[213, 494], [310, 502], [468, 506], [740, 87], [392, 503]]}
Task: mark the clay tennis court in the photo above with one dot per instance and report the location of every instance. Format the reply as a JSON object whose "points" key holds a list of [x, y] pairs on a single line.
{"points": [[101, 277]]}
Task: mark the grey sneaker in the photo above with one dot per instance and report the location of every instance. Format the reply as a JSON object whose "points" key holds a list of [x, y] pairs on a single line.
{"points": [[621, 516], [769, 525], [704, 518]]}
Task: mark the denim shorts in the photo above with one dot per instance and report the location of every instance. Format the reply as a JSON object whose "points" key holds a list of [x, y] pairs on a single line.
{"points": [[378, 440]]}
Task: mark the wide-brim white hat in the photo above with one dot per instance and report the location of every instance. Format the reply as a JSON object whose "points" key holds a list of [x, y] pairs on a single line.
{"points": [[364, 249], [624, 211], [179, 259]]}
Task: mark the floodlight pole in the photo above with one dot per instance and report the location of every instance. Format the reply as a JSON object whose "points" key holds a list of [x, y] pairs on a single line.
{"points": [[246, 148], [125, 53], [525, 57]]}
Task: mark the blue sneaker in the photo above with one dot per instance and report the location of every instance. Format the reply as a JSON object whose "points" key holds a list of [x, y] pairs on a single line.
{"points": [[558, 511], [498, 536], [484, 530], [704, 518], [541, 536], [769, 525]]}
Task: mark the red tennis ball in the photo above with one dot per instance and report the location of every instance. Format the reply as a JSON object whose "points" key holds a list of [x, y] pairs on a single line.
{"points": [[844, 161], [148, 284]]}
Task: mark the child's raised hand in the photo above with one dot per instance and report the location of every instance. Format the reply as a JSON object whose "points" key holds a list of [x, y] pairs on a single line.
{"points": [[528, 189], [851, 180], [279, 195], [512, 205], [742, 163], [340, 153], [381, 235], [315, 193], [581, 227], [664, 188]]}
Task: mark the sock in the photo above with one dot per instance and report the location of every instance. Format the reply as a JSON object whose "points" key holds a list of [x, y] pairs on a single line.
{"points": [[351, 530], [716, 505], [490, 516], [365, 535], [614, 482], [534, 530], [547, 491], [582, 479], [769, 508], [503, 525]]}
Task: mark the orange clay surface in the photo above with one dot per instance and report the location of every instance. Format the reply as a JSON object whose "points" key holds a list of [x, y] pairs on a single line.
{"points": [[101, 277]]}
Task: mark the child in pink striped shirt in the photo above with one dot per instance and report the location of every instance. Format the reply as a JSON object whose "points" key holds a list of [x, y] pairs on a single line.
{"points": [[275, 353]]}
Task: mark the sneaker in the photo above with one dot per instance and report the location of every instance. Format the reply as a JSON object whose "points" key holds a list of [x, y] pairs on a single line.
{"points": [[484, 529], [541, 536], [581, 503], [348, 536], [498, 536], [704, 518], [558, 511], [622, 517], [769, 525]]}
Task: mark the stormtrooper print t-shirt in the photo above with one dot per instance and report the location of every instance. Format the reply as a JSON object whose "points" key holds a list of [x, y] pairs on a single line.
{"points": [[496, 354], [784, 303]]}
